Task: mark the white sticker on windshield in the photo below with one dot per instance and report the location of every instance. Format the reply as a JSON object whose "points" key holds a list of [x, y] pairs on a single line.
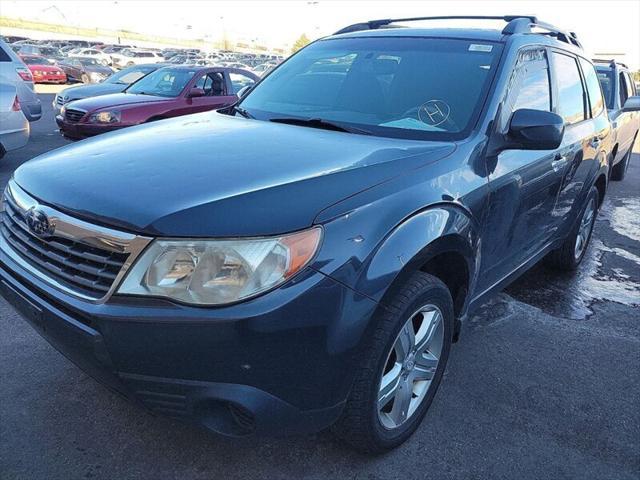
{"points": [[477, 47]]}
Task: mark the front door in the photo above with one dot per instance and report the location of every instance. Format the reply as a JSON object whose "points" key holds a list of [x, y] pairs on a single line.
{"points": [[524, 184]]}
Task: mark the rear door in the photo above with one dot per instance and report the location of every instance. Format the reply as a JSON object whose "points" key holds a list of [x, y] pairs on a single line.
{"points": [[586, 127], [524, 184]]}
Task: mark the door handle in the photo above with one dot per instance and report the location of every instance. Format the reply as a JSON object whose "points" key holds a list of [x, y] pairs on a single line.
{"points": [[559, 163]]}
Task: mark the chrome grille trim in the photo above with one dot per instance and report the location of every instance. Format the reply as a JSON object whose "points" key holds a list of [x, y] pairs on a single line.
{"points": [[74, 115], [101, 256]]}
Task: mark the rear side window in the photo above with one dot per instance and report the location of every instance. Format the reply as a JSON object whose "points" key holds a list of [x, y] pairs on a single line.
{"points": [[593, 88], [571, 95], [631, 88], [4, 56], [624, 89]]}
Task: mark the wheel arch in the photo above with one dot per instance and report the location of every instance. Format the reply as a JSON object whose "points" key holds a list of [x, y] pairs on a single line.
{"points": [[442, 241]]}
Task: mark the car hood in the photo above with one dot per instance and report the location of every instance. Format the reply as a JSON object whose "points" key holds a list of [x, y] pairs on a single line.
{"points": [[93, 90], [116, 100], [212, 175]]}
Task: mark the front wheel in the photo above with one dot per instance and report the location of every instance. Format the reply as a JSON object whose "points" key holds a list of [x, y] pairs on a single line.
{"points": [[401, 367], [572, 251]]}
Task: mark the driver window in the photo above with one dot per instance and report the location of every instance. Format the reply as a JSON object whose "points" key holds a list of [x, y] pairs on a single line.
{"points": [[212, 83], [529, 86]]}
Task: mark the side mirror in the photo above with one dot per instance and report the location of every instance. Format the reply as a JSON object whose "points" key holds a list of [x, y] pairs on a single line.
{"points": [[196, 92], [535, 130], [632, 104], [244, 91]]}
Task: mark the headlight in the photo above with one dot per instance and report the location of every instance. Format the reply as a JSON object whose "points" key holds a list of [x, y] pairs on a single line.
{"points": [[218, 272], [105, 117]]}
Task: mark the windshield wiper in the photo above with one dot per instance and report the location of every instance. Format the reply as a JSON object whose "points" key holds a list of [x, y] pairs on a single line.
{"points": [[241, 111], [320, 123]]}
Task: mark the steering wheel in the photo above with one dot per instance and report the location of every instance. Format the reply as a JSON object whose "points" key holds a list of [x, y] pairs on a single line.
{"points": [[448, 123]]}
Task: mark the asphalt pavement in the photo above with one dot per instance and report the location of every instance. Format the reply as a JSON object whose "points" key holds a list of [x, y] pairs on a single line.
{"points": [[544, 384]]}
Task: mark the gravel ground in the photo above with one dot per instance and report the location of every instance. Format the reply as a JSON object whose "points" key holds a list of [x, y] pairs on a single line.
{"points": [[544, 383]]}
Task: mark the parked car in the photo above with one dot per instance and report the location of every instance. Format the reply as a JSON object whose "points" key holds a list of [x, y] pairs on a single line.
{"points": [[41, 51], [620, 94], [130, 57], [44, 71], [14, 71], [97, 55], [305, 257], [264, 68], [14, 126], [116, 83], [85, 70], [167, 92]]}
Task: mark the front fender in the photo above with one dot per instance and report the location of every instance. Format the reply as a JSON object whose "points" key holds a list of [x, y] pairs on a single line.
{"points": [[373, 269], [440, 229]]}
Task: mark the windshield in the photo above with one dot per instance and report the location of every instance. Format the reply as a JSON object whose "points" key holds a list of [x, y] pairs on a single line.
{"points": [[35, 60], [393, 86], [605, 76], [129, 75], [87, 61], [166, 82]]}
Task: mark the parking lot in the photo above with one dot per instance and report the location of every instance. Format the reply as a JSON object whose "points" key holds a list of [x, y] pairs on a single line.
{"points": [[544, 383]]}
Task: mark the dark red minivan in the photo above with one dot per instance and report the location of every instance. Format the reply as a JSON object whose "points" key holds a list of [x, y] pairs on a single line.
{"points": [[167, 92]]}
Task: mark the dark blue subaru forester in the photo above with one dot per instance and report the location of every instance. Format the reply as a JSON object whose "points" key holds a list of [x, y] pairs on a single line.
{"points": [[306, 257]]}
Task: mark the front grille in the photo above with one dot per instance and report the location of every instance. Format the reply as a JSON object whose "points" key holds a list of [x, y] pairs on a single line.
{"points": [[59, 100], [80, 267], [73, 115]]}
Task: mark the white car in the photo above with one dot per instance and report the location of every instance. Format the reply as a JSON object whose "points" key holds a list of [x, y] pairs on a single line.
{"points": [[130, 57], [14, 126], [99, 56], [14, 72]]}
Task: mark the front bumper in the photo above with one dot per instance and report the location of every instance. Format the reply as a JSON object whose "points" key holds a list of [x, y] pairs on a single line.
{"points": [[280, 363], [50, 79], [83, 130]]}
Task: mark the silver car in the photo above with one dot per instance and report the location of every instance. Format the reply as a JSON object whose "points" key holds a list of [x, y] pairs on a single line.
{"points": [[13, 71], [14, 127]]}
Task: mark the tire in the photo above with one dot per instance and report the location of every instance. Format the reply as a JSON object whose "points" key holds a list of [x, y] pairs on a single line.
{"points": [[571, 253], [370, 427], [84, 78], [619, 171]]}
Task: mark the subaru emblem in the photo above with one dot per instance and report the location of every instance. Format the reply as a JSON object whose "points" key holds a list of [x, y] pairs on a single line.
{"points": [[39, 223]]}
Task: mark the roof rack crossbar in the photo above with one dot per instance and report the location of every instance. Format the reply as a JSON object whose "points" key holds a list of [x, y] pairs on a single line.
{"points": [[515, 24]]}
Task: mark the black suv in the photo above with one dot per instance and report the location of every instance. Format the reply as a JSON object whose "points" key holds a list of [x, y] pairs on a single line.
{"points": [[306, 257], [620, 95]]}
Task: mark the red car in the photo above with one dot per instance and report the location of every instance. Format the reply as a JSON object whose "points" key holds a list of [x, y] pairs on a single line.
{"points": [[167, 92], [43, 70]]}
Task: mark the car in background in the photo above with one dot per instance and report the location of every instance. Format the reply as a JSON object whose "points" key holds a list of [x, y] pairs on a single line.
{"points": [[130, 57], [185, 59], [45, 51], [14, 126], [621, 95], [43, 70], [85, 70], [167, 92], [14, 71], [264, 68], [116, 83], [100, 57]]}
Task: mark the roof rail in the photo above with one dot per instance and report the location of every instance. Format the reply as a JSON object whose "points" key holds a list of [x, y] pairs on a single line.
{"points": [[613, 62], [515, 24]]}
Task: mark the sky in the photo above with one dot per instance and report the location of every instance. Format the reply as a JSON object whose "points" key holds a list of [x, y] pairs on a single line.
{"points": [[602, 26]]}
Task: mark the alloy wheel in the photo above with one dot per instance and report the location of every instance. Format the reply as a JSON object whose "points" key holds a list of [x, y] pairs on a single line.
{"points": [[584, 230], [410, 367]]}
